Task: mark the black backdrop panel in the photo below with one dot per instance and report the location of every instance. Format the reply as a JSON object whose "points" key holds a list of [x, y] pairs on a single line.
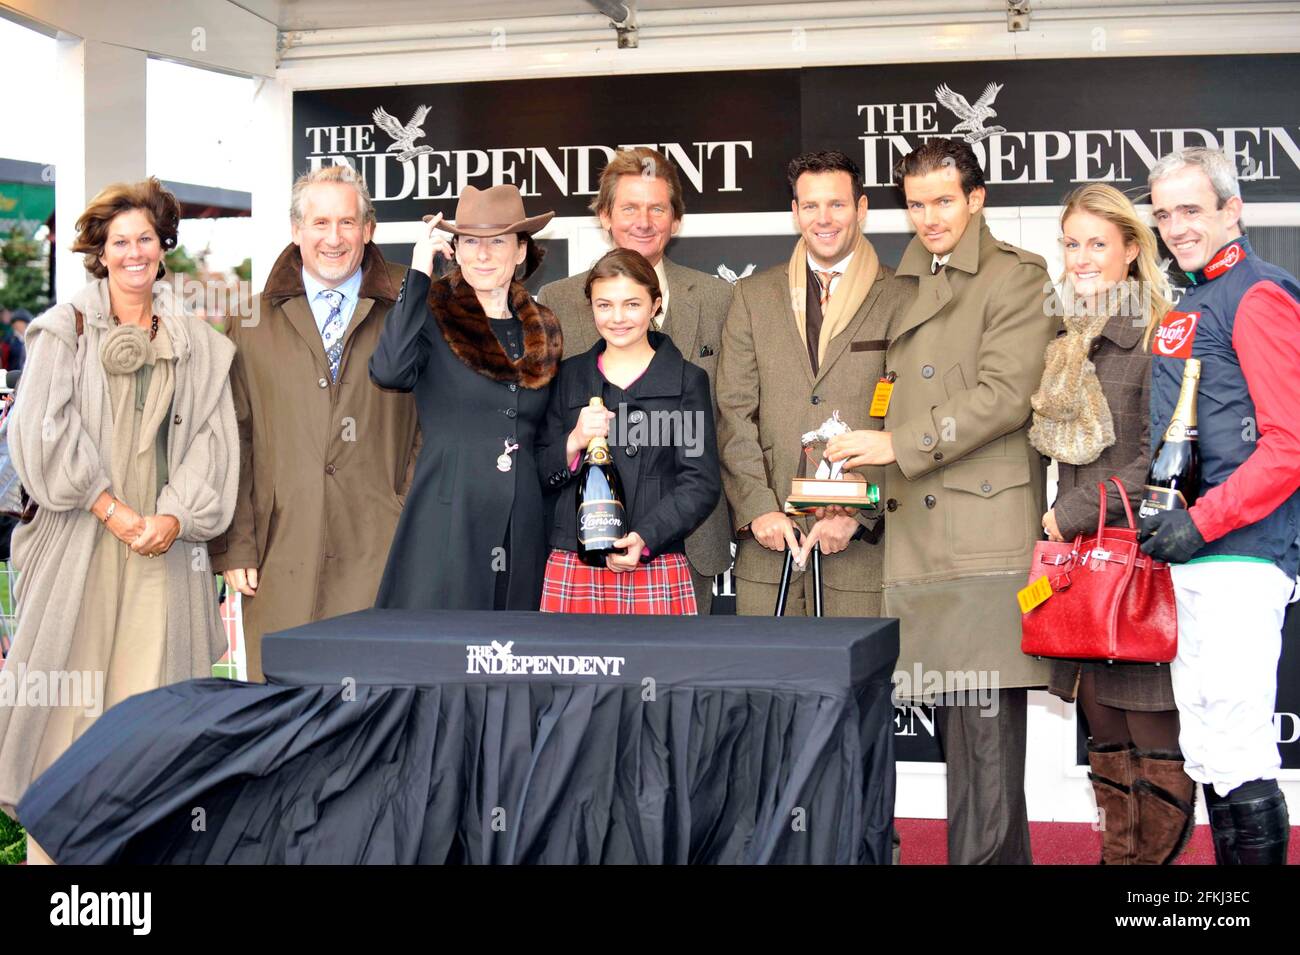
{"points": [[1287, 713], [1039, 126], [1056, 123], [731, 140], [916, 735], [1277, 244]]}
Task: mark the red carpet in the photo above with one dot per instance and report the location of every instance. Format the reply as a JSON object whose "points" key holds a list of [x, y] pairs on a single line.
{"points": [[925, 842], [1053, 843]]}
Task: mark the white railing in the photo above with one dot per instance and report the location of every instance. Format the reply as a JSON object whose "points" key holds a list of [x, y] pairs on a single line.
{"points": [[8, 620], [235, 663]]}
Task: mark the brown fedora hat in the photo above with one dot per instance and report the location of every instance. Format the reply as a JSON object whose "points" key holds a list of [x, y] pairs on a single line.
{"points": [[488, 212]]}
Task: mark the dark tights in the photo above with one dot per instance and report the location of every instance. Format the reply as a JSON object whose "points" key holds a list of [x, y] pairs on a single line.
{"points": [[1107, 724]]}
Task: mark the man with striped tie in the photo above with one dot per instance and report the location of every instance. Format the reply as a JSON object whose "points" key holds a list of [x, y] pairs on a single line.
{"points": [[325, 454]]}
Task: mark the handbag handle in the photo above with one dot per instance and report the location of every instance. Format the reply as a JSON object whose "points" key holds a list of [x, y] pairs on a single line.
{"points": [[1101, 511], [1123, 496]]}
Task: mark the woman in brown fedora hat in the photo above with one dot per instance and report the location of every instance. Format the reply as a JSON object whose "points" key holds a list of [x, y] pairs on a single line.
{"points": [[480, 355]]}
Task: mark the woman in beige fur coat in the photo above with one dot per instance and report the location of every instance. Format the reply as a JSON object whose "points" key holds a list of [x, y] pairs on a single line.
{"points": [[123, 432]]}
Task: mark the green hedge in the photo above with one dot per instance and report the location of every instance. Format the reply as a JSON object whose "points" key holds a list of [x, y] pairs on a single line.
{"points": [[13, 842]]}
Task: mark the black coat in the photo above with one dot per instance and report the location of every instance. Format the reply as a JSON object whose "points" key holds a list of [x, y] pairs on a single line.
{"points": [[471, 399], [669, 488]]}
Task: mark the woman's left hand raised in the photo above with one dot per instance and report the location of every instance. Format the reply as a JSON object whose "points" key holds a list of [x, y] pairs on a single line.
{"points": [[624, 563], [429, 246], [159, 534]]}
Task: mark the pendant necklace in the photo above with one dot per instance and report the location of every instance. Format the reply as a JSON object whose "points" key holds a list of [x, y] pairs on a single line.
{"points": [[153, 326], [504, 461]]}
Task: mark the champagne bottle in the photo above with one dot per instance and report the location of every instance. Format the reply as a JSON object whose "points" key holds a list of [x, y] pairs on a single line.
{"points": [[602, 518], [1174, 481]]}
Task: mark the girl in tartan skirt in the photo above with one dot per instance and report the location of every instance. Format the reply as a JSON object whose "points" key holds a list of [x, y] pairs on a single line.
{"points": [[658, 420]]}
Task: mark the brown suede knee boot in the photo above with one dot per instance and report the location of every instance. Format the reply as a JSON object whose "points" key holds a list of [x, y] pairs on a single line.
{"points": [[1166, 804], [1112, 780]]}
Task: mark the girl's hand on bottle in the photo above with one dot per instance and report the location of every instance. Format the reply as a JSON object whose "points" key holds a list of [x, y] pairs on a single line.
{"points": [[627, 561], [592, 423]]}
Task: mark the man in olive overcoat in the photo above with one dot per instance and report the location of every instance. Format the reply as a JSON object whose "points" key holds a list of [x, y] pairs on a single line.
{"points": [[964, 490]]}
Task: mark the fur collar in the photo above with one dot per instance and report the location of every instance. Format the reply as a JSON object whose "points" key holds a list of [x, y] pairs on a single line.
{"points": [[469, 334], [285, 280]]}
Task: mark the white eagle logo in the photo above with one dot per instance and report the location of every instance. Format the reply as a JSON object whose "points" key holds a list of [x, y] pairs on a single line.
{"points": [[732, 277], [972, 117], [404, 137]]}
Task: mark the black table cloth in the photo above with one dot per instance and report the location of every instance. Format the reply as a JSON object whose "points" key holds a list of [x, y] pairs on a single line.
{"points": [[415, 736]]}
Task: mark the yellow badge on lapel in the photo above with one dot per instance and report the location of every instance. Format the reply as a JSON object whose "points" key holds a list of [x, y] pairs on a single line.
{"points": [[880, 397]]}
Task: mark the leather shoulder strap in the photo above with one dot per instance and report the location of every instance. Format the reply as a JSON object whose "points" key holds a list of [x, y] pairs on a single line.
{"points": [[81, 321]]}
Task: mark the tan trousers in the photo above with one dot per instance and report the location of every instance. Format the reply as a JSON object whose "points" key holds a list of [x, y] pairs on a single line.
{"points": [[757, 599]]}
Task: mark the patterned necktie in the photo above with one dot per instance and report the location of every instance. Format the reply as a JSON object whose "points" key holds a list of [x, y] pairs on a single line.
{"points": [[332, 334], [824, 279]]}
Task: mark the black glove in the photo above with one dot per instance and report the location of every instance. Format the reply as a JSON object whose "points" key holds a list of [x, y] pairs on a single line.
{"points": [[870, 534], [1170, 536]]}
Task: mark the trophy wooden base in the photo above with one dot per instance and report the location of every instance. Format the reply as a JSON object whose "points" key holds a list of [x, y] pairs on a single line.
{"points": [[850, 491]]}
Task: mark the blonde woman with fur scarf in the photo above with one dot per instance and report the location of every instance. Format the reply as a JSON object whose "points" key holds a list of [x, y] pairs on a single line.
{"points": [[1091, 416]]}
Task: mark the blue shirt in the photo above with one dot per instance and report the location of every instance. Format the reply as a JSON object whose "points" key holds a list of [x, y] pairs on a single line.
{"points": [[320, 306]]}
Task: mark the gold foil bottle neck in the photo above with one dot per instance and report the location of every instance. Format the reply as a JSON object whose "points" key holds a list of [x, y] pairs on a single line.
{"points": [[1183, 423], [598, 442]]}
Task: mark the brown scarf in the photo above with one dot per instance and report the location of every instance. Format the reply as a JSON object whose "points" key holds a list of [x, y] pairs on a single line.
{"points": [[1072, 421], [468, 332], [849, 295]]}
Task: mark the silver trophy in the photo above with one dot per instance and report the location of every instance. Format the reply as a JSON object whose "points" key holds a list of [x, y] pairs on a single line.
{"points": [[826, 471], [831, 484]]}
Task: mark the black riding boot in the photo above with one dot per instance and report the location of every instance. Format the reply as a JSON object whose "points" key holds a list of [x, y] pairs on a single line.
{"points": [[1263, 830], [1250, 825], [1222, 829]]}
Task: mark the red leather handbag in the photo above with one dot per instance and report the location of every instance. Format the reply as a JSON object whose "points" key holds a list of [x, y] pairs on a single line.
{"points": [[1109, 600]]}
